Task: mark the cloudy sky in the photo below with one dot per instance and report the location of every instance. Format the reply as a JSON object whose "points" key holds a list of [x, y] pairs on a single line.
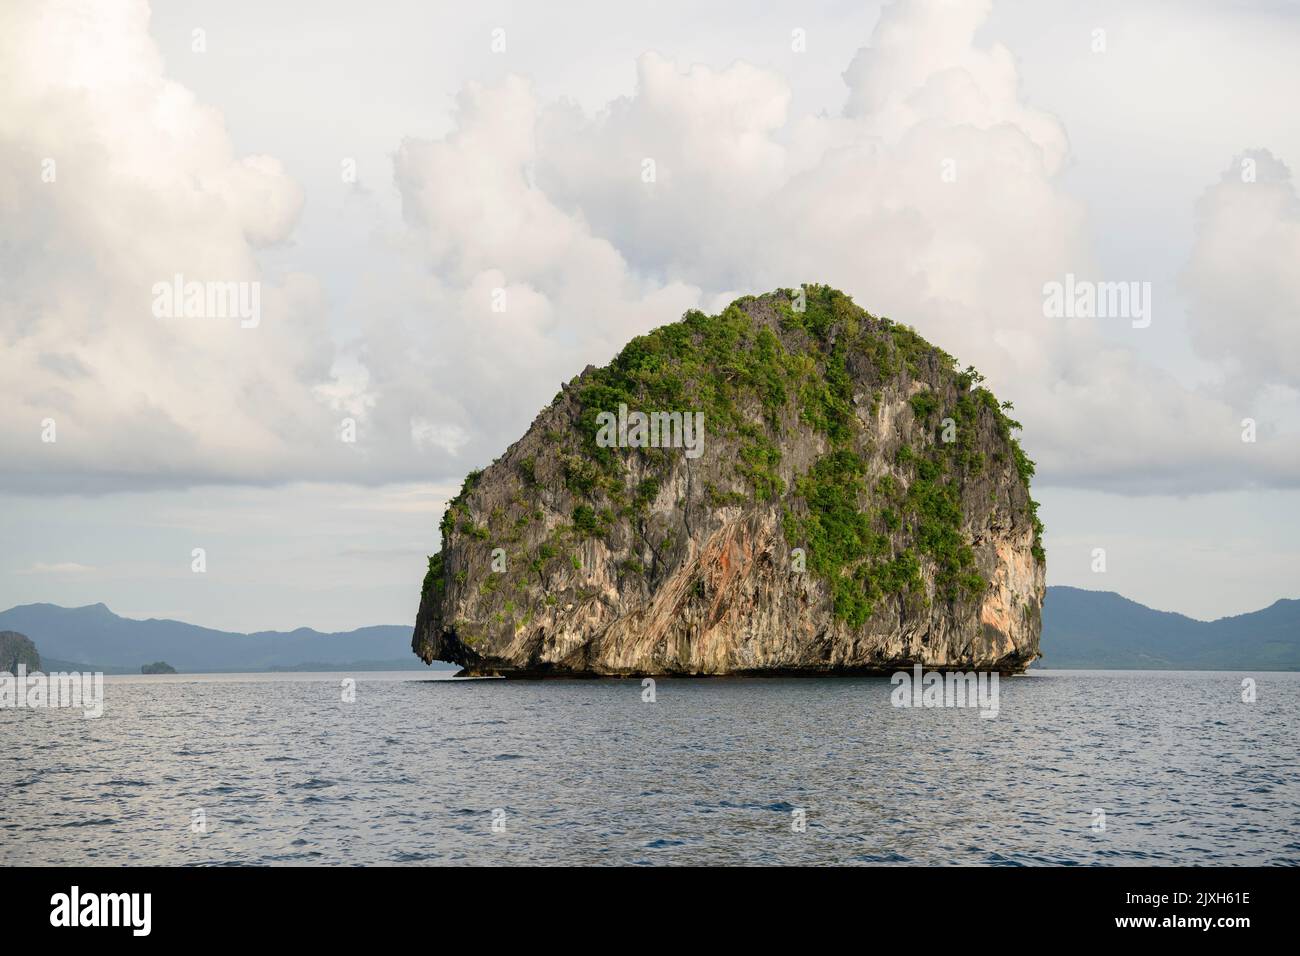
{"points": [[380, 169]]}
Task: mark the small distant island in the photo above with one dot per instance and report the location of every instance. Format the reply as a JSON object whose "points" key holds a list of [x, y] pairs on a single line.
{"points": [[157, 667]]}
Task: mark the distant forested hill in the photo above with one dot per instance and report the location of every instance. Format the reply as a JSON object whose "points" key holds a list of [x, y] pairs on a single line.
{"points": [[1102, 629], [1097, 629], [94, 635]]}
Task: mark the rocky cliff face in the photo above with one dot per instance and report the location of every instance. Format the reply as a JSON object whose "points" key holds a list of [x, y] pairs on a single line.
{"points": [[855, 503]]}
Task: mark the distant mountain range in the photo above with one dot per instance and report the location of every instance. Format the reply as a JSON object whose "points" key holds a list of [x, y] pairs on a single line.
{"points": [[1104, 630], [1081, 629], [95, 638]]}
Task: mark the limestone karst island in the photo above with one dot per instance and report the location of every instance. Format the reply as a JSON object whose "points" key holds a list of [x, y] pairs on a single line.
{"points": [[853, 503]]}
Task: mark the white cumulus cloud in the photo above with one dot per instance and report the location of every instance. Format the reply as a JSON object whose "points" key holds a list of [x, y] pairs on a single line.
{"points": [[539, 237]]}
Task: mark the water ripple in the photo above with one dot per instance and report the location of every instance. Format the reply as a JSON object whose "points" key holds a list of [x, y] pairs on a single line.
{"points": [[270, 769]]}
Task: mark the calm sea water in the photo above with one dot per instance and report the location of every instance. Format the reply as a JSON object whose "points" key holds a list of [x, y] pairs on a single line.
{"points": [[418, 767]]}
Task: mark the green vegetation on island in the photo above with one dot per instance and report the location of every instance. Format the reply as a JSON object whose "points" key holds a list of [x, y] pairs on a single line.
{"points": [[756, 383]]}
